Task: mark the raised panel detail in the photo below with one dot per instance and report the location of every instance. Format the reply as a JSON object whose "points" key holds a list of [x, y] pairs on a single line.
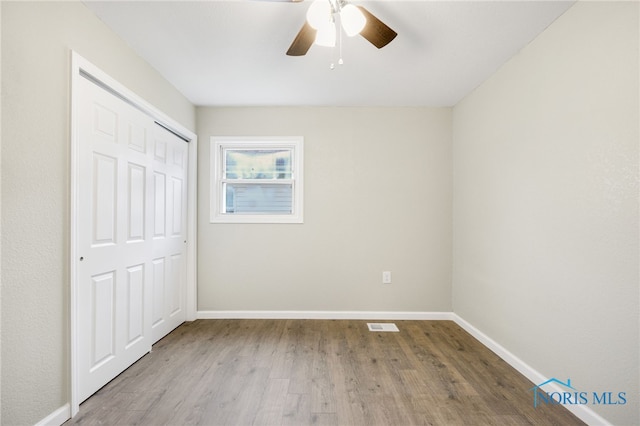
{"points": [[135, 305], [159, 204], [136, 213], [158, 286], [160, 151], [103, 319], [175, 284], [176, 206], [178, 157], [104, 199], [137, 136], [105, 123]]}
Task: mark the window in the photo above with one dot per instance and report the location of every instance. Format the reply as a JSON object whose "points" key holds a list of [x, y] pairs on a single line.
{"points": [[256, 180]]}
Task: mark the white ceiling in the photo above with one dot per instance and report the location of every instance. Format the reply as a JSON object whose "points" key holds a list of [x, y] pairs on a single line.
{"points": [[232, 53]]}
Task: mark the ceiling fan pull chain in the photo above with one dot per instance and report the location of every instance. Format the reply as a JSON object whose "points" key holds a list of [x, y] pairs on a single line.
{"points": [[339, 29], [332, 65]]}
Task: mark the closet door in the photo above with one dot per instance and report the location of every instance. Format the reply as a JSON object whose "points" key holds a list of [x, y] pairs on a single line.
{"points": [[169, 216], [118, 243]]}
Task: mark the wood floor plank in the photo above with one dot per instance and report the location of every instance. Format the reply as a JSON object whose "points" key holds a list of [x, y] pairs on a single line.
{"points": [[297, 410], [273, 402], [318, 372]]}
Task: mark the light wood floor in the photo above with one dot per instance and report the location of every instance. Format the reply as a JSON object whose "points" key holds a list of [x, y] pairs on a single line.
{"points": [[308, 372]]}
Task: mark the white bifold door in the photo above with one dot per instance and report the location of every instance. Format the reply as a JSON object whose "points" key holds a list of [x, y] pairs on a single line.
{"points": [[131, 241]]}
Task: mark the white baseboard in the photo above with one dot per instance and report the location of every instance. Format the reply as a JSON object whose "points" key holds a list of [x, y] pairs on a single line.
{"points": [[342, 315], [583, 412], [57, 418]]}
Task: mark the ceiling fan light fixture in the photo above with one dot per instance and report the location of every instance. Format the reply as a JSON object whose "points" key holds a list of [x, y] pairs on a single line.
{"points": [[326, 35], [320, 26], [352, 19], [319, 13]]}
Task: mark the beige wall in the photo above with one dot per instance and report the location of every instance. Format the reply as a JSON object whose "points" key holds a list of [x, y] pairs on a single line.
{"points": [[546, 204], [377, 197], [36, 43]]}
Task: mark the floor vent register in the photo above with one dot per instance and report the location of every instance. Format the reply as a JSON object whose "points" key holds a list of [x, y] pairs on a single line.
{"points": [[382, 326]]}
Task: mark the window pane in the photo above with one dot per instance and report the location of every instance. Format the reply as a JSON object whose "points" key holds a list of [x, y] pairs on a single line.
{"points": [[258, 198], [258, 164]]}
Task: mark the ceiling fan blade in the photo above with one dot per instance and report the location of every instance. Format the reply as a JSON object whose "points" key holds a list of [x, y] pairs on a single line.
{"points": [[376, 31], [303, 41]]}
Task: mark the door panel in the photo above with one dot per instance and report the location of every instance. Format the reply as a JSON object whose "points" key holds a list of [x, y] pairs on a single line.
{"points": [[158, 292], [176, 207], [135, 295], [159, 192], [104, 199], [137, 137], [103, 319], [136, 208], [169, 232], [176, 272]]}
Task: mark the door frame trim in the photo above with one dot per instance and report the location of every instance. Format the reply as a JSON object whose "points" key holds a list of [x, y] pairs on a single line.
{"points": [[81, 68]]}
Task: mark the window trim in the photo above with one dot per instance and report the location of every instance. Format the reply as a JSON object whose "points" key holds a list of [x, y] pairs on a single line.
{"points": [[219, 143]]}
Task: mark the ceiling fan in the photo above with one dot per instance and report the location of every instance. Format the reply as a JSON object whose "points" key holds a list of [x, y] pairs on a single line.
{"points": [[320, 26]]}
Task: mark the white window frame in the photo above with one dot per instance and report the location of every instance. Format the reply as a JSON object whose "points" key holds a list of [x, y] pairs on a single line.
{"points": [[220, 143]]}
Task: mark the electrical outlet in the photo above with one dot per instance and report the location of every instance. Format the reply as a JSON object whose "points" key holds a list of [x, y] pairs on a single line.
{"points": [[386, 277]]}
